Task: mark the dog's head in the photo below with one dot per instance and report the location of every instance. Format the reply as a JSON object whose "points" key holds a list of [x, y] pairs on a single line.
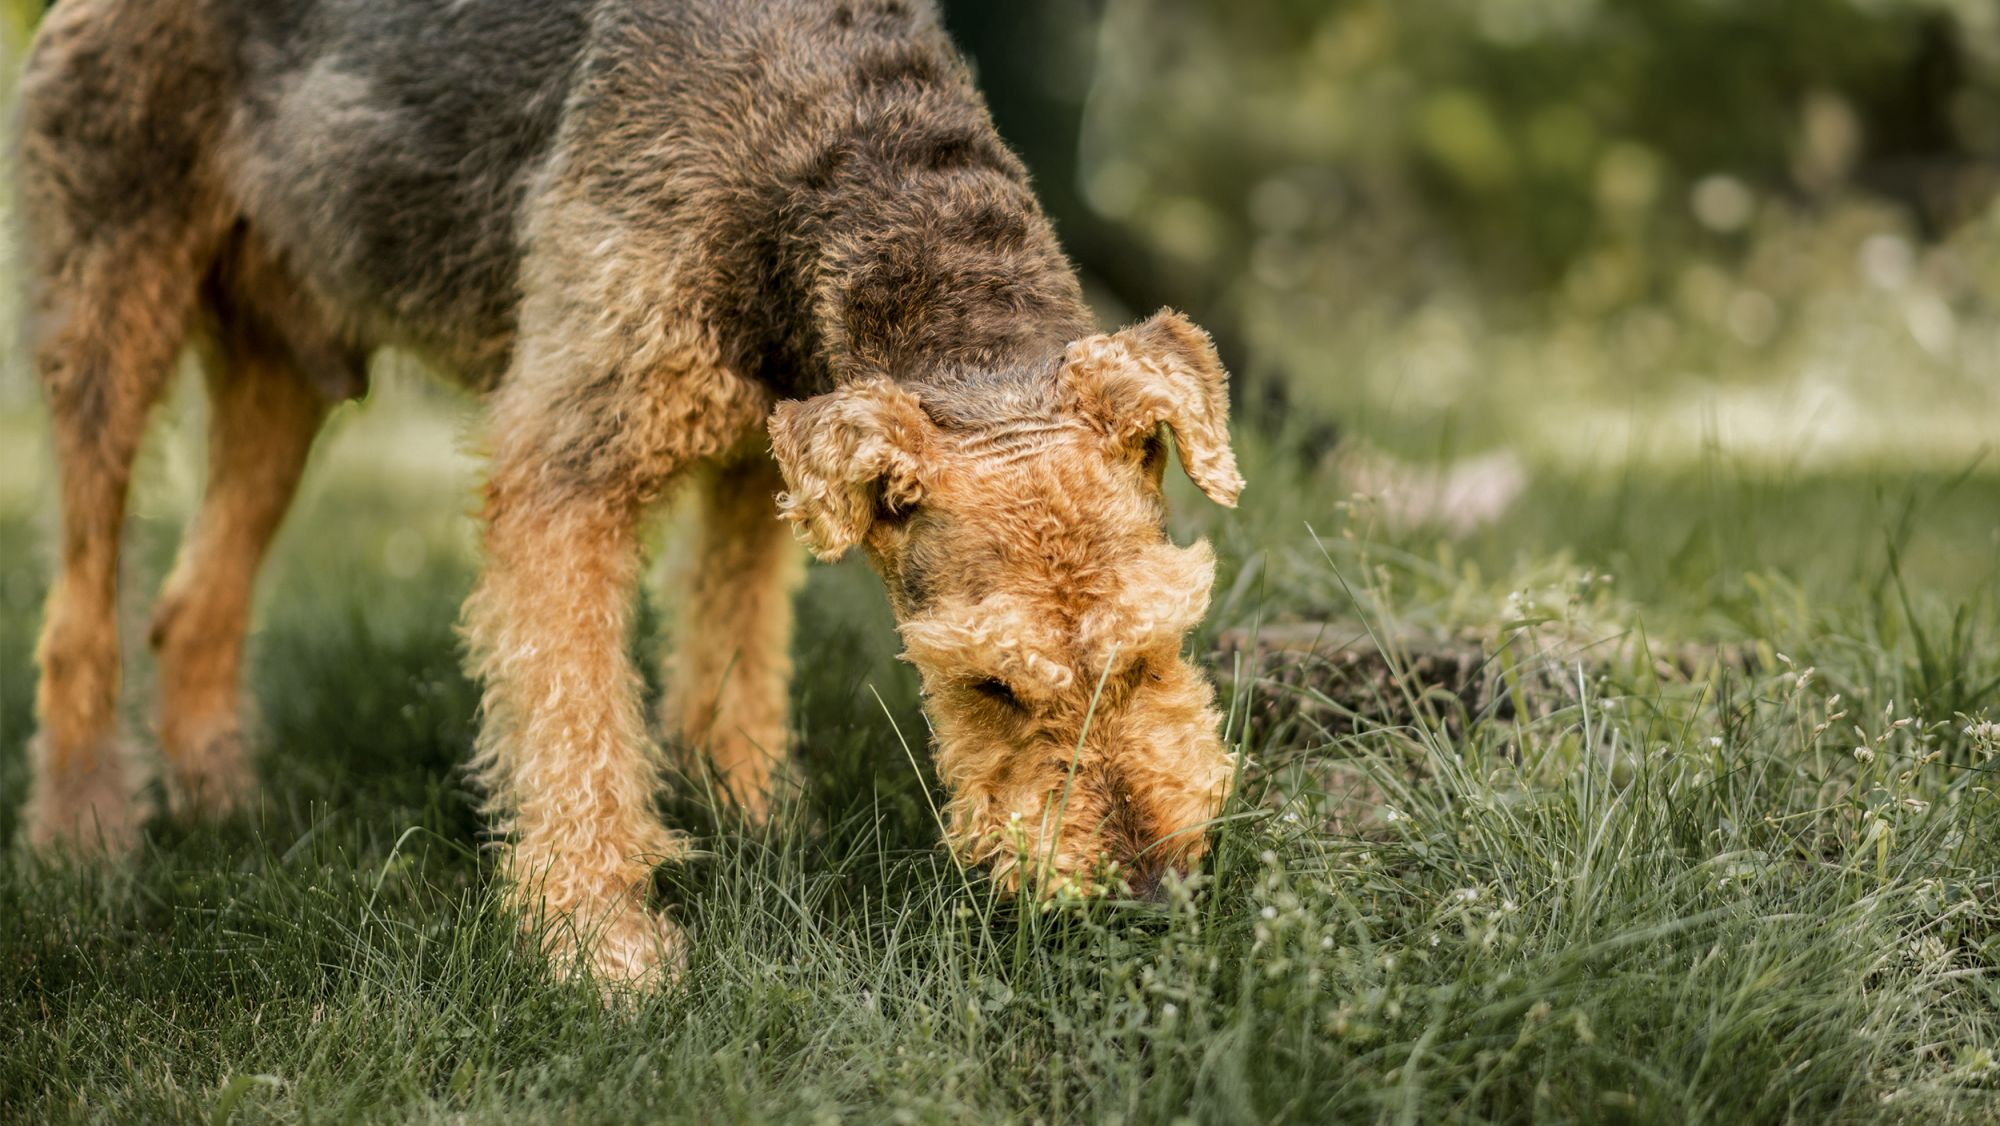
{"points": [[1019, 524]]}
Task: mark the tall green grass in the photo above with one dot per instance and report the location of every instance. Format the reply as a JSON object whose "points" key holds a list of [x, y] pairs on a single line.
{"points": [[1664, 900]]}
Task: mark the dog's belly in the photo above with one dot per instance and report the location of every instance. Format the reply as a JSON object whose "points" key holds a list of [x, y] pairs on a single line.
{"points": [[383, 153]]}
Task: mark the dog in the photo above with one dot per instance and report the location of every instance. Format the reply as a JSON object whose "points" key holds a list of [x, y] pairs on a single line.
{"points": [[770, 251]]}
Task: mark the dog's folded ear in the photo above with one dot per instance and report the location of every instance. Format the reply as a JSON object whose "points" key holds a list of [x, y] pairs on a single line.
{"points": [[1163, 370], [848, 456]]}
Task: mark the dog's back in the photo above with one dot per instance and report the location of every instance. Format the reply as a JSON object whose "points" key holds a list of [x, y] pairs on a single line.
{"points": [[384, 160], [383, 151]]}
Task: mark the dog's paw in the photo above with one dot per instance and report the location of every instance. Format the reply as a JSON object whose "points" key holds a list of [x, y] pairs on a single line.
{"points": [[624, 949], [211, 773], [642, 951], [96, 812]]}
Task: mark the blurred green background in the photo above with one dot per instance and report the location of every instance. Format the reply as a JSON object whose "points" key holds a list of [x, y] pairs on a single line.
{"points": [[1592, 229]]}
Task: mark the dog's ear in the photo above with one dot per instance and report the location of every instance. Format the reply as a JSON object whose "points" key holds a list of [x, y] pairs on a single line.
{"points": [[848, 456], [1163, 370]]}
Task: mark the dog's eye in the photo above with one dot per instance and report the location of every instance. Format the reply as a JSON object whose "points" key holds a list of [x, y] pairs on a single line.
{"points": [[996, 691], [888, 513]]}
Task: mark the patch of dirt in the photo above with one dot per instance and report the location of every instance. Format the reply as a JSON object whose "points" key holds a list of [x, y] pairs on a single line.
{"points": [[1332, 678], [1311, 683]]}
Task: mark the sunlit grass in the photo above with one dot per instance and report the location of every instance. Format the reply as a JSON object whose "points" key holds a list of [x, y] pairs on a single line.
{"points": [[1660, 900]]}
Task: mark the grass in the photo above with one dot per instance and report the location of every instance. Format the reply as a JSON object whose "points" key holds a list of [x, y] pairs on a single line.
{"points": [[1666, 901]]}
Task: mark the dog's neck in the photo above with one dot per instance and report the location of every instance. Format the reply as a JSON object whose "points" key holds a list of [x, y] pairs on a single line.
{"points": [[926, 278]]}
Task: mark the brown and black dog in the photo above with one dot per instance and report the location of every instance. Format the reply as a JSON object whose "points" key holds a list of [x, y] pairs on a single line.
{"points": [[663, 237]]}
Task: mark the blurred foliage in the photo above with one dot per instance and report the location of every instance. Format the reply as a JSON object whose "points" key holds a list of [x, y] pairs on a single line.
{"points": [[1587, 228], [1525, 140]]}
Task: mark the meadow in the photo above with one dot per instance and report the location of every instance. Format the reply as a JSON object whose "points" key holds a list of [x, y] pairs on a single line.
{"points": [[1715, 288], [1760, 883]]}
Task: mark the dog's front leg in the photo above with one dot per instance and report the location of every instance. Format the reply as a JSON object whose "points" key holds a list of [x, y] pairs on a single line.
{"points": [[730, 670], [563, 745]]}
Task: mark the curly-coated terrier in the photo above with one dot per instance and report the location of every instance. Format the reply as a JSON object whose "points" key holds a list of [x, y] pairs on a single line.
{"points": [[646, 230]]}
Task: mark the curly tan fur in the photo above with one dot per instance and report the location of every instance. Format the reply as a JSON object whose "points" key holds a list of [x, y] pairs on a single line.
{"points": [[652, 233]]}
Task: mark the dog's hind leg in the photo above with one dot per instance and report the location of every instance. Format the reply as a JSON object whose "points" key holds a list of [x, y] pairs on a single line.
{"points": [[118, 117], [108, 322], [108, 330], [731, 667], [264, 412]]}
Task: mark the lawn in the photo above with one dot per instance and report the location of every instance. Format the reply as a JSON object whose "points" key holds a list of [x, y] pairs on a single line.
{"points": [[1759, 881]]}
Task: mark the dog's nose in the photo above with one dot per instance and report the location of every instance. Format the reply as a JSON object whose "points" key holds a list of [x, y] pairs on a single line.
{"points": [[1148, 886]]}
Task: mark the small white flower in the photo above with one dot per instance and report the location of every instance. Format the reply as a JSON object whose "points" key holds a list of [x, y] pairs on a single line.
{"points": [[1608, 705], [1916, 805], [1269, 912], [1169, 1011], [1715, 741], [1268, 857], [1466, 895], [1863, 755]]}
